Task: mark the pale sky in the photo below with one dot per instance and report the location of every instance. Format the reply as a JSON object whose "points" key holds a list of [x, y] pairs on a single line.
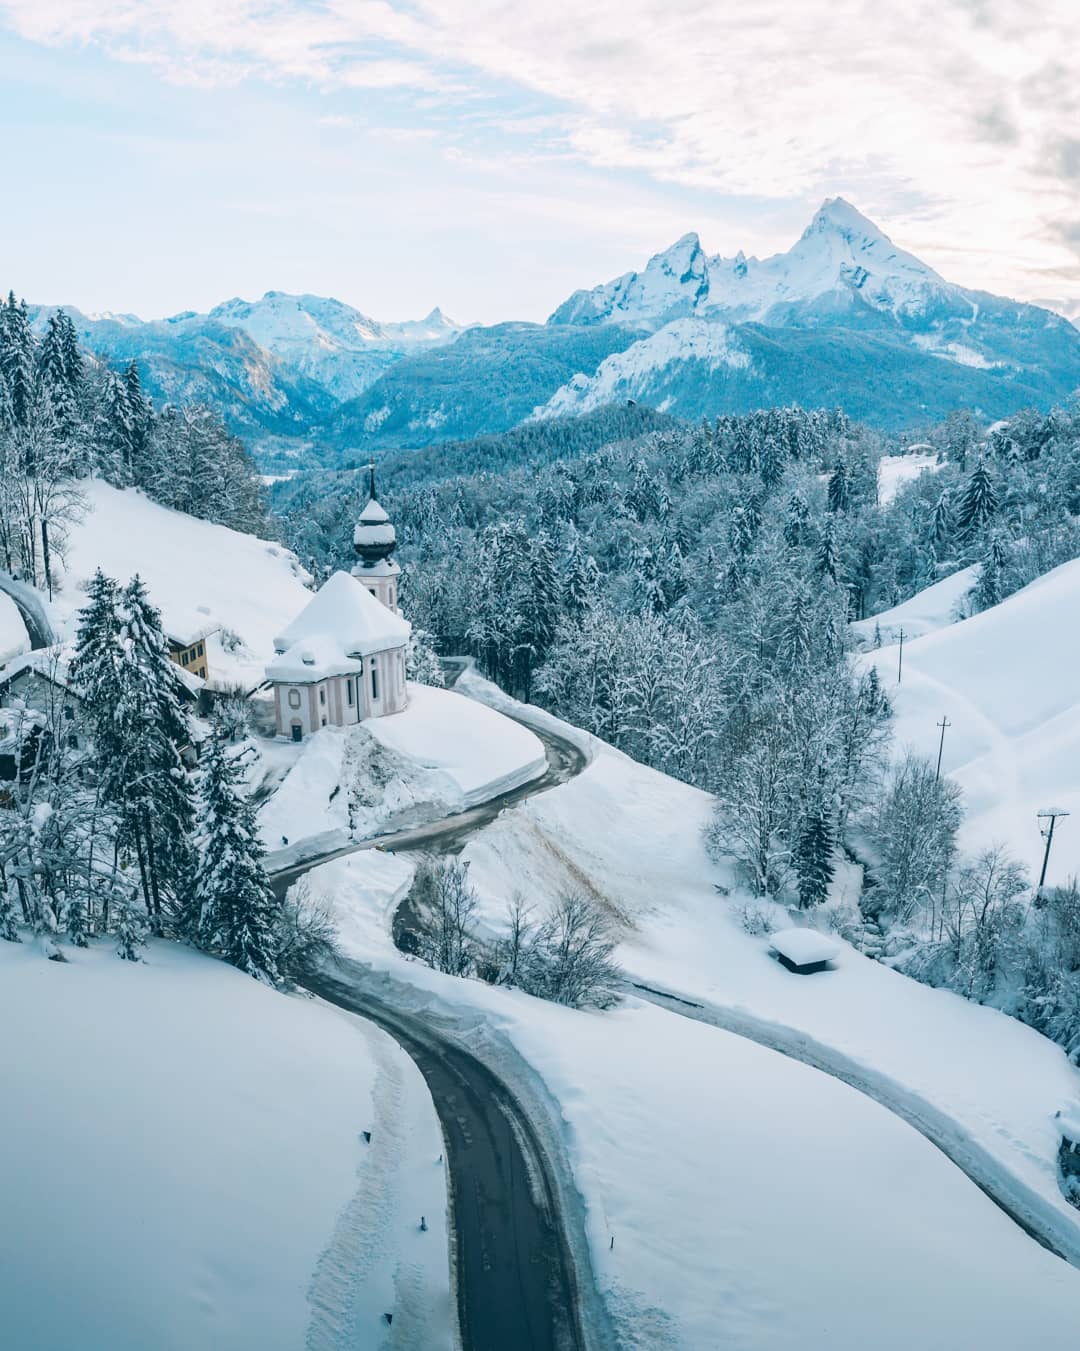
{"points": [[491, 156]]}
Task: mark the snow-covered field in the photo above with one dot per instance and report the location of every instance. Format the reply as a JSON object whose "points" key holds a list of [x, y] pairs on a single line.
{"points": [[935, 607], [442, 755], [754, 1203], [896, 470], [201, 576], [14, 639], [1006, 680], [184, 1165], [632, 838]]}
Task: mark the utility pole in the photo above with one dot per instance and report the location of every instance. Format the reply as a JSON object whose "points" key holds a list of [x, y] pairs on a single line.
{"points": [[900, 662], [1050, 814], [941, 744]]}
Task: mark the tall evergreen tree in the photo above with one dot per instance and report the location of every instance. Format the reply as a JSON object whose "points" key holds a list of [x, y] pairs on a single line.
{"points": [[827, 559], [17, 359], [978, 502], [813, 858], [232, 909], [839, 490], [148, 780]]}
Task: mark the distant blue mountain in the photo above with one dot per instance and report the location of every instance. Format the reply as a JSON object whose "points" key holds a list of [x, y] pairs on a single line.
{"points": [[842, 318]]}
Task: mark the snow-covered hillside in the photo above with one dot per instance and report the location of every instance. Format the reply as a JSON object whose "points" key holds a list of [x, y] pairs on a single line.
{"points": [[185, 1165], [442, 755], [934, 607], [634, 374], [752, 1161], [1006, 679], [204, 578]]}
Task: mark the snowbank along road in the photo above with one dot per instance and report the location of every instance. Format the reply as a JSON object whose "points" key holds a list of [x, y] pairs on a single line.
{"points": [[514, 1271], [32, 610]]}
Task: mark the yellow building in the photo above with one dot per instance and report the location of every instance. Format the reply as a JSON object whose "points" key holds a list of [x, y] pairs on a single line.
{"points": [[189, 652]]}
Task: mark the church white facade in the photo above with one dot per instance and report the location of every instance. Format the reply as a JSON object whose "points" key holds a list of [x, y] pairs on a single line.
{"points": [[343, 658]]}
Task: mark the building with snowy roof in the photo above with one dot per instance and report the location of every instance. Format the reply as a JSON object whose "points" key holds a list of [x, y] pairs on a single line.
{"points": [[342, 659]]}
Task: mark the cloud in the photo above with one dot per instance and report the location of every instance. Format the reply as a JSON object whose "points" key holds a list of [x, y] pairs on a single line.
{"points": [[950, 119]]}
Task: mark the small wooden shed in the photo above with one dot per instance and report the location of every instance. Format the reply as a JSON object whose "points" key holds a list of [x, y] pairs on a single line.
{"points": [[804, 951]]}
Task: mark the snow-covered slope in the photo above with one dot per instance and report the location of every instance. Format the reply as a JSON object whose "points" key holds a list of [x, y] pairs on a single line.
{"points": [[734, 1182], [1007, 681], [441, 755], [896, 470], [201, 576], [639, 372], [185, 1166], [13, 636], [934, 607]]}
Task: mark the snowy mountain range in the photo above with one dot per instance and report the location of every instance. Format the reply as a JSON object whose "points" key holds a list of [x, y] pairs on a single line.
{"points": [[841, 264], [844, 317]]}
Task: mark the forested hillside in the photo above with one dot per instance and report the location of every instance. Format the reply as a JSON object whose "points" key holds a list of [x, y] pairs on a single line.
{"points": [[686, 594], [65, 415]]}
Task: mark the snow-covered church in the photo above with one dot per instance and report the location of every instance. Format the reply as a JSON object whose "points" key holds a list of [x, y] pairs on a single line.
{"points": [[342, 658]]}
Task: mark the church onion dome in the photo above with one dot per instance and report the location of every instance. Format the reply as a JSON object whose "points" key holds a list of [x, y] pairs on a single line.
{"points": [[374, 537]]}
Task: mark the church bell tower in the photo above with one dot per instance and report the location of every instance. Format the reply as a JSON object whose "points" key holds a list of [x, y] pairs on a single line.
{"points": [[374, 540]]}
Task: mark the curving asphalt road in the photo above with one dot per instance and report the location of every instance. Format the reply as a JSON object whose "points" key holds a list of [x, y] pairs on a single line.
{"points": [[514, 1270], [514, 1273]]}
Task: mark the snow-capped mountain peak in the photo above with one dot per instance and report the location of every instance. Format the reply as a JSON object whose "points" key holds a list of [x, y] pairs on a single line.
{"points": [[837, 213], [841, 259]]}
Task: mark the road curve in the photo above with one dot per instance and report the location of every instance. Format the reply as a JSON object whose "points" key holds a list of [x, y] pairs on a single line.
{"points": [[1031, 1212], [514, 1271]]}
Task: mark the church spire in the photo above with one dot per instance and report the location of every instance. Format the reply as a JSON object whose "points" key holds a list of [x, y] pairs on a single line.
{"points": [[374, 540]]}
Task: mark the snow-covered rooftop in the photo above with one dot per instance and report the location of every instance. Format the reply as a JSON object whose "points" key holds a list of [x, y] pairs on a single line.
{"points": [[341, 623], [804, 947]]}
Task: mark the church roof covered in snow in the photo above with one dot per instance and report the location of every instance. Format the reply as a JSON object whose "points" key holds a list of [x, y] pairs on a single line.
{"points": [[341, 623]]}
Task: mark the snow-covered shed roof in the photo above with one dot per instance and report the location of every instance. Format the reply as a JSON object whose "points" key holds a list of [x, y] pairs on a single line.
{"points": [[341, 623], [804, 947]]}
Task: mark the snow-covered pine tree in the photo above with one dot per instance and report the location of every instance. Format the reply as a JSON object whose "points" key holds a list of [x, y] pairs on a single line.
{"points": [[942, 525], [827, 558], [978, 502], [232, 909], [139, 407], [150, 783], [581, 579], [114, 430], [798, 515], [17, 359], [839, 490], [813, 859], [989, 590], [422, 665], [95, 671]]}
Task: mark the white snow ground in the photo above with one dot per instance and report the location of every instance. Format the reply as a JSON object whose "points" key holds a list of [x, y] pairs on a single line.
{"points": [[441, 755], [935, 607], [14, 639], [1006, 680], [755, 1203], [200, 576], [896, 470], [185, 1168]]}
